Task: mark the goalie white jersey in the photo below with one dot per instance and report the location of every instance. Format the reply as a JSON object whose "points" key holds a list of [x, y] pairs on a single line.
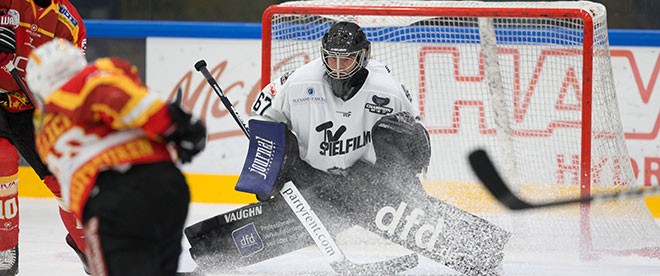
{"points": [[332, 133]]}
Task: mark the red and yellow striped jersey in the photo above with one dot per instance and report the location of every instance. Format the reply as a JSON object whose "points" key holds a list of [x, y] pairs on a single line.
{"points": [[102, 118], [37, 26]]}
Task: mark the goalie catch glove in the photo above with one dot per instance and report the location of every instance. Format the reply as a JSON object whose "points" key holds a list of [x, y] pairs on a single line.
{"points": [[401, 141], [188, 134]]}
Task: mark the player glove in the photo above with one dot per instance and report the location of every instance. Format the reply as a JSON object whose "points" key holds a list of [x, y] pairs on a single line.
{"points": [[8, 23], [189, 135], [400, 140]]}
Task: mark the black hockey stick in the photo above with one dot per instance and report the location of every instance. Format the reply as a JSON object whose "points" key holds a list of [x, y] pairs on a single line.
{"points": [[21, 83], [485, 170], [201, 67], [315, 228]]}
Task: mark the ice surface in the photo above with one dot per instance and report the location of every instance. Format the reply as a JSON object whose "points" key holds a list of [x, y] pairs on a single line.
{"points": [[44, 252]]}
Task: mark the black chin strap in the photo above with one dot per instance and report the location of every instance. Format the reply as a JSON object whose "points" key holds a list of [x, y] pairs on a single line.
{"points": [[346, 89]]}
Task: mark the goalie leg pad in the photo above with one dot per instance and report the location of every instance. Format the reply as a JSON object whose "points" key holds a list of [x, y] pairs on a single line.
{"points": [[255, 233], [245, 236], [423, 224]]}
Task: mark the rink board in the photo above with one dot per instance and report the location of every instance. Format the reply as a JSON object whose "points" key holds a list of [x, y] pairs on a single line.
{"points": [[208, 188], [233, 50]]}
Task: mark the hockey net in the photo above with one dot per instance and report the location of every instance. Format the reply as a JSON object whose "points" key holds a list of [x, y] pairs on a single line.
{"points": [[530, 82]]}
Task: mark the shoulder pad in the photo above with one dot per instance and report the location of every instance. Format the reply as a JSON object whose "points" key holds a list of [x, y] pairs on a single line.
{"points": [[284, 77], [407, 93], [66, 15], [270, 89]]}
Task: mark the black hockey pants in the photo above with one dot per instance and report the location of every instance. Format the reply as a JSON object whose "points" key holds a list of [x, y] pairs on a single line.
{"points": [[136, 220]]}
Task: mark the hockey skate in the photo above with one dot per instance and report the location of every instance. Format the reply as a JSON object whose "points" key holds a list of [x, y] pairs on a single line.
{"points": [[9, 262], [81, 255]]}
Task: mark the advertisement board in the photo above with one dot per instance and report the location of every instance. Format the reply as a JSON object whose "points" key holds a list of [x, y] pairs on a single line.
{"points": [[233, 55]]}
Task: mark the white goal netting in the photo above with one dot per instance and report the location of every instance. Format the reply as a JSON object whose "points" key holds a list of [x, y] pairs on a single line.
{"points": [[530, 82]]}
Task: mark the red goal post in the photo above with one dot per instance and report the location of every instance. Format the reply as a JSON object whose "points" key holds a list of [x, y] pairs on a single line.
{"points": [[457, 11], [531, 82]]}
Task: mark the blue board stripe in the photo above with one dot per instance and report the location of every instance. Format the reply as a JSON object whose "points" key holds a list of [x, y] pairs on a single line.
{"points": [[240, 30]]}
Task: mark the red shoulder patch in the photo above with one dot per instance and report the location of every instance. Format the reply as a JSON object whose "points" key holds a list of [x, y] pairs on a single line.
{"points": [[271, 89]]}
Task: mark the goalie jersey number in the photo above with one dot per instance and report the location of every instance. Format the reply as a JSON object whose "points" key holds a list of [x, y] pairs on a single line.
{"points": [[262, 103]]}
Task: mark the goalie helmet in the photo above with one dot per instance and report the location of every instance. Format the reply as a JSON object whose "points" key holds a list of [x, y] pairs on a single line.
{"points": [[51, 65], [344, 51]]}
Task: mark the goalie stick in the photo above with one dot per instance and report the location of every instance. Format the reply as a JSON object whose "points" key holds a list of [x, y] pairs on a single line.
{"points": [[200, 66], [315, 228], [485, 170]]}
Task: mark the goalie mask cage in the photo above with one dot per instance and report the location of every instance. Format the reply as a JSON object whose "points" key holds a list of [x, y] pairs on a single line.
{"points": [[530, 82]]}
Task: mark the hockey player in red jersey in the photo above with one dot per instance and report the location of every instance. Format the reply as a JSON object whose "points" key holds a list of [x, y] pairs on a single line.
{"points": [[24, 25], [107, 139]]}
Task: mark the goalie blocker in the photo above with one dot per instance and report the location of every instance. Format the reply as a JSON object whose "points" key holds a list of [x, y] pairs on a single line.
{"points": [[378, 198], [266, 160]]}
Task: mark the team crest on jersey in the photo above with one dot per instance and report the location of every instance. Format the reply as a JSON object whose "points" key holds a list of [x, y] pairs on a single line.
{"points": [[11, 18], [379, 105], [310, 97]]}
